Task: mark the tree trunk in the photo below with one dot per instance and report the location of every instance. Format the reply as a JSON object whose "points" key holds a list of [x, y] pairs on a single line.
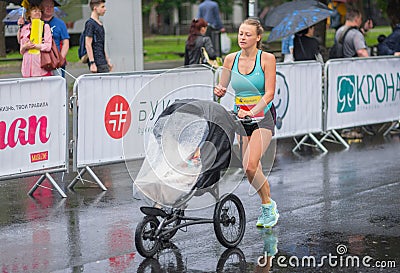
{"points": [[320, 29], [146, 10], [245, 6], [393, 12], [3, 13]]}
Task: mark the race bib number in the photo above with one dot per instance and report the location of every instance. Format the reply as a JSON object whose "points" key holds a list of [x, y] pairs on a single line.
{"points": [[248, 103]]}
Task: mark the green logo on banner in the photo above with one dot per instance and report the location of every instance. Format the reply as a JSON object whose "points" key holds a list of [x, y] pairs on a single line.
{"points": [[346, 94]]}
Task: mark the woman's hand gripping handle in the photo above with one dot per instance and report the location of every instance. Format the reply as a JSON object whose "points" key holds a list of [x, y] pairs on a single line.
{"points": [[219, 90]]}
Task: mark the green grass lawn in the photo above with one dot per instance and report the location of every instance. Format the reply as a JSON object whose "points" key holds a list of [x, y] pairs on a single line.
{"points": [[162, 48]]}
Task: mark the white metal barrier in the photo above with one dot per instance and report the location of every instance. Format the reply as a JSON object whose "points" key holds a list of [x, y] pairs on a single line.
{"points": [[298, 101], [113, 111], [33, 128], [361, 91]]}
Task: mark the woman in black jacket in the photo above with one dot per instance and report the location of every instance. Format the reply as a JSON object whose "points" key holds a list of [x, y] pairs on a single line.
{"points": [[196, 40], [306, 47]]}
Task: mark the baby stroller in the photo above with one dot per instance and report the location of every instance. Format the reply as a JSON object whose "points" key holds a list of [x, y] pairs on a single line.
{"points": [[189, 148]]}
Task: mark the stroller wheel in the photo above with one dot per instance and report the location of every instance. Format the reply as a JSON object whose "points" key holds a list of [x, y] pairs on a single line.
{"points": [[232, 260], [145, 240], [229, 220]]}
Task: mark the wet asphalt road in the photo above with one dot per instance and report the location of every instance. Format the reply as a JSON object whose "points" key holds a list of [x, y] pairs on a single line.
{"points": [[346, 200], [334, 206]]}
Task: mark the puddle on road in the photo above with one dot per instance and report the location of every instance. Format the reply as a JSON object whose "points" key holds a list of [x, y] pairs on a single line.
{"points": [[352, 248], [170, 258]]}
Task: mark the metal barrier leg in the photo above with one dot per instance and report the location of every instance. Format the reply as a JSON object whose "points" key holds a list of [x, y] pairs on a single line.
{"points": [[76, 179], [92, 174], [96, 178], [319, 144], [298, 144], [316, 141], [55, 185], [341, 140], [326, 137], [391, 127], [334, 137], [38, 182]]}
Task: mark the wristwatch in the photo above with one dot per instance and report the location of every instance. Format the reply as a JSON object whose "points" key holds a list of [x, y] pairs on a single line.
{"points": [[91, 62]]}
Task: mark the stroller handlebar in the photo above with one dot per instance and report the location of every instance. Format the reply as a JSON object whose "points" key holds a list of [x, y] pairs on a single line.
{"points": [[246, 119]]}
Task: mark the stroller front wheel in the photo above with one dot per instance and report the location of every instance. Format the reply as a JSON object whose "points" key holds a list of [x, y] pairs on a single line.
{"points": [[229, 220], [147, 244]]}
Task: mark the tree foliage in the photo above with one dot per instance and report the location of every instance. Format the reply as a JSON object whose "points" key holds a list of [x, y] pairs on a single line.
{"points": [[2, 33], [393, 11]]}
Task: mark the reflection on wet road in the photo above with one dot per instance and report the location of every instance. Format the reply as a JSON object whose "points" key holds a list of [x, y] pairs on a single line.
{"points": [[339, 213]]}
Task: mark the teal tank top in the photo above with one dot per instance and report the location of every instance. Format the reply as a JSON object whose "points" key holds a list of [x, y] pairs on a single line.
{"points": [[249, 88]]}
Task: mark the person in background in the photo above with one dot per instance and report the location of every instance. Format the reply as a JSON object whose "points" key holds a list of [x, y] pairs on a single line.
{"points": [[31, 62], [253, 79], [391, 44], [306, 47], [58, 29], [287, 49], [354, 44], [339, 17], [99, 62], [209, 11], [196, 40]]}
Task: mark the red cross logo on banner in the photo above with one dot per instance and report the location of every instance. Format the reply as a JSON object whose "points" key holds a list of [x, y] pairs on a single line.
{"points": [[117, 118]]}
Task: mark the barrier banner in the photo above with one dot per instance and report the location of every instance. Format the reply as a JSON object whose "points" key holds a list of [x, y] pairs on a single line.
{"points": [[297, 99], [115, 111], [33, 130], [362, 91]]}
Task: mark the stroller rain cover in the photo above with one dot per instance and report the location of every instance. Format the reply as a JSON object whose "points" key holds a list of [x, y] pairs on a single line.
{"points": [[190, 145]]}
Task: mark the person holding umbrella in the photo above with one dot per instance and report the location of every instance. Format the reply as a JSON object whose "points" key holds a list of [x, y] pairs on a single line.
{"points": [[58, 28], [253, 78], [31, 50], [306, 47]]}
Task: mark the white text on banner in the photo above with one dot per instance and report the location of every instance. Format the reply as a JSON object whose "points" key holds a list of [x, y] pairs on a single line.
{"points": [[362, 91]]}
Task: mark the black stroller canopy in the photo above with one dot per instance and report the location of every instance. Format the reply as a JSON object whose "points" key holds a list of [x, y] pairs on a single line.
{"points": [[191, 144], [216, 153]]}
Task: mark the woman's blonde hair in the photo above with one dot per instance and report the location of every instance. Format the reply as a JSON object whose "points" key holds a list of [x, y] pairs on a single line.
{"points": [[259, 28]]}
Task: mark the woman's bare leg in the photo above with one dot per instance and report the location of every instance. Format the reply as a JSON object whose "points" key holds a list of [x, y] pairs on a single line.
{"points": [[253, 149]]}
